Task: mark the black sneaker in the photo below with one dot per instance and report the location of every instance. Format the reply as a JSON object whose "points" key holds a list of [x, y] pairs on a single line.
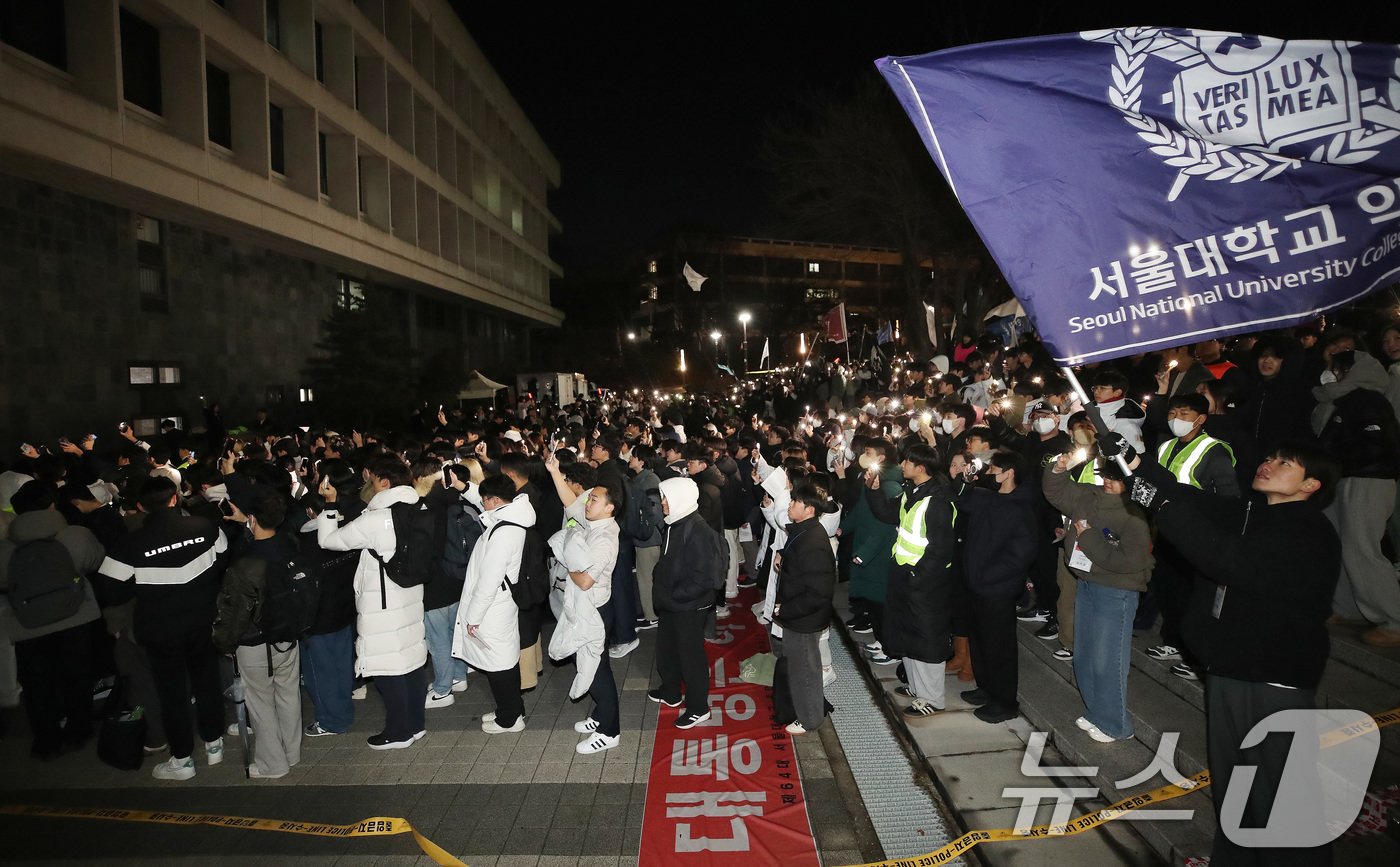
{"points": [[1050, 631], [644, 624], [993, 713], [691, 720], [1034, 615], [746, 582], [382, 741], [977, 696], [655, 695], [862, 629]]}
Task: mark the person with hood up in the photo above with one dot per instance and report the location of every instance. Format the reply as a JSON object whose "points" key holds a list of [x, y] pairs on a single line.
{"points": [[1355, 423], [587, 548], [488, 626], [689, 572], [391, 644]]}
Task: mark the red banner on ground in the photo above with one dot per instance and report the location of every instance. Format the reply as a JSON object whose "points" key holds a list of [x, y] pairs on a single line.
{"points": [[727, 792]]}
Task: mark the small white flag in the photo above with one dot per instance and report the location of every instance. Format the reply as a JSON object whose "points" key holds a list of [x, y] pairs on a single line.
{"points": [[763, 359], [693, 277]]}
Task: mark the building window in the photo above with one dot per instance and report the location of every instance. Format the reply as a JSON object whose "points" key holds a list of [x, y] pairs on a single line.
{"points": [[274, 24], [37, 29], [823, 293], [274, 395], [350, 294], [150, 427], [277, 148], [140, 62], [651, 292], [146, 373], [150, 264], [218, 105], [814, 267], [306, 395], [320, 53], [651, 267], [325, 177]]}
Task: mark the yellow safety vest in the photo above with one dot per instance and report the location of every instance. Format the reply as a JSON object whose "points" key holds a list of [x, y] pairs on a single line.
{"points": [[1183, 464], [912, 540], [1089, 473]]}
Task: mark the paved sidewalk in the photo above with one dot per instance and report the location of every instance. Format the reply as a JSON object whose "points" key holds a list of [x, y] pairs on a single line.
{"points": [[516, 800]]}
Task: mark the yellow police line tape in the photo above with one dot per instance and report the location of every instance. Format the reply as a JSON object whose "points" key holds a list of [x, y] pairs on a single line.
{"points": [[384, 826], [377, 826], [1089, 821]]}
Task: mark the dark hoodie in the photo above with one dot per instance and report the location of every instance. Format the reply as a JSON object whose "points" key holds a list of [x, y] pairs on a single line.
{"points": [[712, 483], [1001, 540]]}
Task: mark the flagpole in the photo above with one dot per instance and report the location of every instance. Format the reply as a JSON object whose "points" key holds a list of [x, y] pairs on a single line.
{"points": [[1095, 414]]}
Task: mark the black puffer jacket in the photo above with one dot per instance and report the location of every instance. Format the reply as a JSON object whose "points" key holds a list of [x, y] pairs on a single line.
{"points": [[691, 568], [1001, 541], [807, 579]]}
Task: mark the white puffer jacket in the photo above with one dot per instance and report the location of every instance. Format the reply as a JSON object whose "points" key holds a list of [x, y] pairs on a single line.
{"points": [[486, 600], [390, 638]]}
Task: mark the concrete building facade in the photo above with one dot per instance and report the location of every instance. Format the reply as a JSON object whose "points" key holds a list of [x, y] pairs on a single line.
{"points": [[189, 187]]}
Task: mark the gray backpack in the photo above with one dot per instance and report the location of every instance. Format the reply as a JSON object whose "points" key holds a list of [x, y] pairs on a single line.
{"points": [[44, 586]]}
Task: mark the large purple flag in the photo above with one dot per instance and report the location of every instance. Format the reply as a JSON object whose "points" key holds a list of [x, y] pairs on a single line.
{"points": [[1148, 186]]}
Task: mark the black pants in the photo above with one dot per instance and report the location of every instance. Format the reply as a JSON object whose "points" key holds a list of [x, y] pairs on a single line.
{"points": [[505, 689], [182, 666], [403, 703], [55, 671], [1172, 577], [1233, 707], [626, 606], [603, 691], [1043, 577], [993, 642], [680, 658]]}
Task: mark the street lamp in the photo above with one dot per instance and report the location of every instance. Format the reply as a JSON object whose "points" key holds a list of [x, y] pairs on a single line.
{"points": [[744, 318], [631, 335], [714, 335]]}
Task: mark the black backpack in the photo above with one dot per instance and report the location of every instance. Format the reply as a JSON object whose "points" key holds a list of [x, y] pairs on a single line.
{"points": [[532, 588], [643, 514], [45, 588], [415, 554], [463, 529], [291, 594]]}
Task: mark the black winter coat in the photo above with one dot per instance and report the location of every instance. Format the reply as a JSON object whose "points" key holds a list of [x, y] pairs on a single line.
{"points": [[692, 566], [1001, 541], [919, 598], [1270, 570], [806, 579]]}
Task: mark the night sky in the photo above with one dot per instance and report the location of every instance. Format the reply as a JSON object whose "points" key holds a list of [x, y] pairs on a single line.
{"points": [[656, 112]]}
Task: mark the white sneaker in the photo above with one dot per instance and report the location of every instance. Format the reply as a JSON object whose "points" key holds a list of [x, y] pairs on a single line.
{"points": [[796, 728], [586, 726], [828, 675], [489, 716], [596, 744], [360, 693], [490, 727], [1084, 724], [434, 700], [233, 729], [175, 769], [1163, 651], [1100, 735], [734, 594], [255, 774], [721, 611], [459, 686], [214, 751], [622, 650]]}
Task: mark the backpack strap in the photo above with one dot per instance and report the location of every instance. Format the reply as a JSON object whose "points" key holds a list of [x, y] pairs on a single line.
{"points": [[505, 579]]}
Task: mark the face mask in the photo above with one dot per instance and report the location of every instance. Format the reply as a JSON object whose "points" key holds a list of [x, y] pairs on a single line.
{"points": [[625, 456], [1044, 425], [1327, 377], [913, 425], [865, 462], [1083, 437], [1180, 427], [950, 425]]}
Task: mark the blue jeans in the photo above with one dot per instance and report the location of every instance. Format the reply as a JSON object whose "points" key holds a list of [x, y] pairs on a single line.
{"points": [[1103, 633], [328, 673], [439, 624]]}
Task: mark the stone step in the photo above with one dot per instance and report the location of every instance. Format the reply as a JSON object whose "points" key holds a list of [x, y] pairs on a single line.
{"points": [[1051, 702]]}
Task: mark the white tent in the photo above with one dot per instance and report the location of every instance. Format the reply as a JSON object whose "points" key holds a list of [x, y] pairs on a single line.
{"points": [[479, 388]]}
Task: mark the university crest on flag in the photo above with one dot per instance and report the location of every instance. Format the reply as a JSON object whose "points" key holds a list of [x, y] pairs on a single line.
{"points": [[1145, 187]]}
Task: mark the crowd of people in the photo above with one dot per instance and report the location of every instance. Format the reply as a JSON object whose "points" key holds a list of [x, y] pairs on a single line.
{"points": [[1242, 493]]}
